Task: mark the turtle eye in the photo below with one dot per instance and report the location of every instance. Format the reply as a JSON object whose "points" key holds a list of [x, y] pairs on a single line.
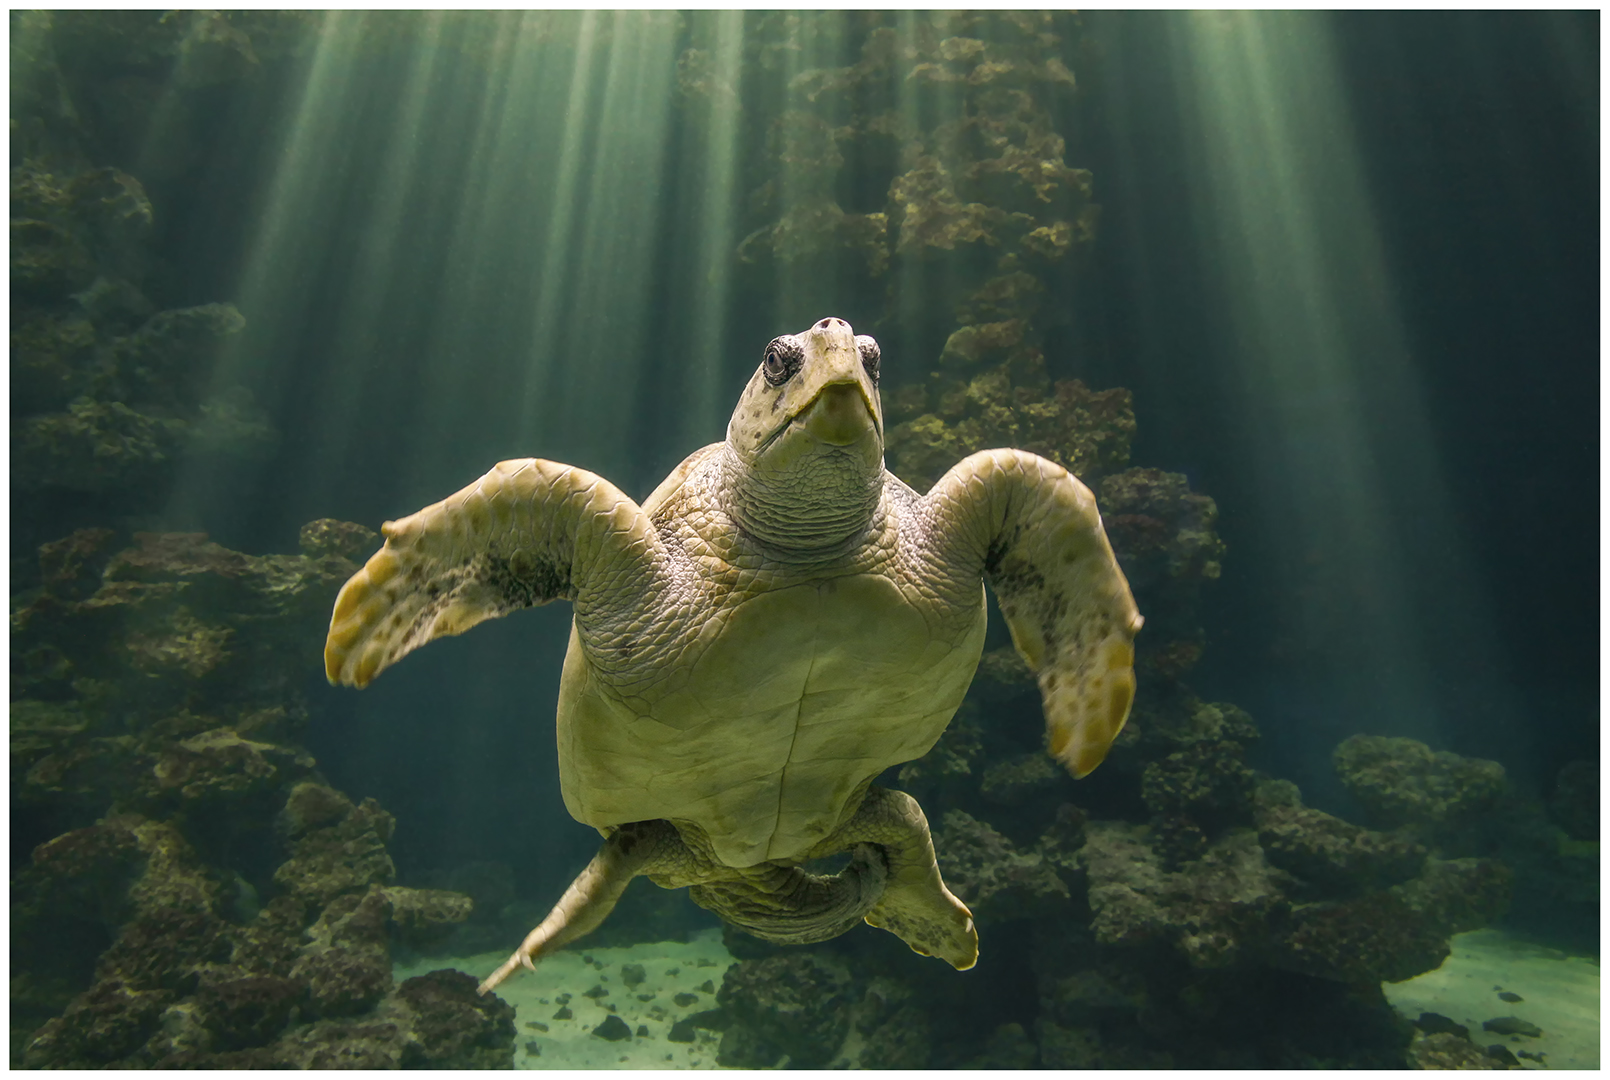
{"points": [[870, 355], [783, 358]]}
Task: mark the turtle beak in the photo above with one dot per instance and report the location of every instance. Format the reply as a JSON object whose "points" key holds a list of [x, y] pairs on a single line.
{"points": [[841, 403], [839, 414]]}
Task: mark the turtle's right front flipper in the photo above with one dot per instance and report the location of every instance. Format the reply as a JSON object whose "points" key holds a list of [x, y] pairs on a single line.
{"points": [[1033, 532], [527, 532]]}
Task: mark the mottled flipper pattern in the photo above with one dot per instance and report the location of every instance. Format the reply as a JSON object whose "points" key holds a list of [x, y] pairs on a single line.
{"points": [[527, 532], [1037, 532], [915, 906]]}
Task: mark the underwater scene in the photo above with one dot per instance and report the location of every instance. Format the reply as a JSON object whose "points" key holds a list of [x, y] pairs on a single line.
{"points": [[945, 539]]}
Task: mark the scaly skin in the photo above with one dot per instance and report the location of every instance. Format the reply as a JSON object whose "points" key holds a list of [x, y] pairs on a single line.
{"points": [[777, 624]]}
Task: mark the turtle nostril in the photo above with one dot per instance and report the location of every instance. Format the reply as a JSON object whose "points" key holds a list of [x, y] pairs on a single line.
{"points": [[825, 323]]}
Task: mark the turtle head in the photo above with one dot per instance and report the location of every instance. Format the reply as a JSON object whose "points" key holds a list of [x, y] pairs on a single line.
{"points": [[806, 440], [814, 393]]}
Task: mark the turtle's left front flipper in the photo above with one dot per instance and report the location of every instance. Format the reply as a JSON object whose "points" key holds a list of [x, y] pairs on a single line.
{"points": [[1033, 532], [528, 532]]}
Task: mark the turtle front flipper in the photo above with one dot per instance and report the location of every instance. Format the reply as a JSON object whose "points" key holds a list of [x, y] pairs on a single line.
{"points": [[528, 532], [1033, 531]]}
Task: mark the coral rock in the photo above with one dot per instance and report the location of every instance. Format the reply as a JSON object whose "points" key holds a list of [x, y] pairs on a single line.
{"points": [[1216, 911], [1021, 777], [1402, 781], [422, 918], [794, 1004], [1447, 1051], [995, 880], [247, 1011], [1086, 432], [1334, 856], [1574, 805], [453, 1027], [344, 857], [1396, 933], [345, 539]]}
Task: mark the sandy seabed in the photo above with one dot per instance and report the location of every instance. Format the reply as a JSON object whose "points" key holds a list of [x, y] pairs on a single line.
{"points": [[679, 979], [1559, 993]]}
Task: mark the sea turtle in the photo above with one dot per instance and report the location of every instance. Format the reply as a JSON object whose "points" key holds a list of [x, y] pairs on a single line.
{"points": [[777, 624]]}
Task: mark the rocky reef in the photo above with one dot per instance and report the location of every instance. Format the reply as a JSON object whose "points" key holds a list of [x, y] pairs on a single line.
{"points": [[113, 358], [1263, 948], [205, 898], [186, 889]]}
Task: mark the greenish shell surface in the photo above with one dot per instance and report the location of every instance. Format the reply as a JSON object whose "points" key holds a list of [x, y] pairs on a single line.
{"points": [[780, 698]]}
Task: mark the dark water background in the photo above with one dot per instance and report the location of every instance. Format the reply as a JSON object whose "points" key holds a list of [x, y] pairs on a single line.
{"points": [[1479, 147]]}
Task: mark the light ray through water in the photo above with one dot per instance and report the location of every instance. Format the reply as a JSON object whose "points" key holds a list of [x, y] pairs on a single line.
{"points": [[1334, 417], [467, 221]]}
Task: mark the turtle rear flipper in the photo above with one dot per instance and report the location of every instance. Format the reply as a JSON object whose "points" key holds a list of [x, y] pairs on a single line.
{"points": [[631, 850], [528, 532], [915, 906]]}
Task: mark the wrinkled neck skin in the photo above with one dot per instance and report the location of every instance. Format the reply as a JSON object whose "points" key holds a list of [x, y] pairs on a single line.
{"points": [[803, 502]]}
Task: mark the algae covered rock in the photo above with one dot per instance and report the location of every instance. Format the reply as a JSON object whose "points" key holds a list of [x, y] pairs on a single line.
{"points": [[433, 1021], [112, 391], [1574, 803], [795, 1004], [1444, 1050], [896, 1032], [1068, 1048], [1016, 779], [1334, 856], [1403, 781], [1396, 933], [1166, 539], [140, 938], [995, 880], [345, 965], [1206, 782], [246, 1011], [343, 539], [346, 855], [1008, 1047], [143, 882], [424, 917], [1087, 432], [220, 764], [1217, 911]]}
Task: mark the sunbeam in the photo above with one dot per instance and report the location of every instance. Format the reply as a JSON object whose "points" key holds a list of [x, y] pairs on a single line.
{"points": [[1331, 409]]}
